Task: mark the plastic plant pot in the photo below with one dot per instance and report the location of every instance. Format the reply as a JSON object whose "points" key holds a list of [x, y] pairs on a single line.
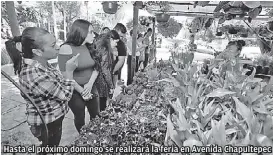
{"points": [[110, 7], [139, 4], [162, 17], [232, 31], [265, 70], [259, 70], [246, 66], [244, 35], [219, 34]]}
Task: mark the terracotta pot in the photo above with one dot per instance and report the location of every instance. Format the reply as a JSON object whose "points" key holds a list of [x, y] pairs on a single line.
{"points": [[110, 7], [162, 17]]}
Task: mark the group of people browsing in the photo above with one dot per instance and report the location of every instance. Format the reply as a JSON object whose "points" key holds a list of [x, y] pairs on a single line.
{"points": [[89, 68], [144, 48]]}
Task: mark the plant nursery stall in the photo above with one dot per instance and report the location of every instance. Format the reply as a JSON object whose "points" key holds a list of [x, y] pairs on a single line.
{"points": [[179, 103]]}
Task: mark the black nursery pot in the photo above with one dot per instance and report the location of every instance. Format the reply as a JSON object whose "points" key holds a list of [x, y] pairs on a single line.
{"points": [[245, 65], [110, 7], [219, 34], [259, 70], [244, 35], [265, 70], [232, 31], [251, 68]]}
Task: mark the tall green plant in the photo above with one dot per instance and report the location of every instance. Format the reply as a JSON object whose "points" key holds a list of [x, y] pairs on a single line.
{"points": [[228, 108]]}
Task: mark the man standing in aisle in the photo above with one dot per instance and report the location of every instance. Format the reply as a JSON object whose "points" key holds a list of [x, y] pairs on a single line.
{"points": [[121, 29]]}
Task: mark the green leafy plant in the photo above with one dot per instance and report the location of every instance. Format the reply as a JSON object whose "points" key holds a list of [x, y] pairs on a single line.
{"points": [[223, 107], [164, 6], [169, 29], [220, 109], [264, 60]]}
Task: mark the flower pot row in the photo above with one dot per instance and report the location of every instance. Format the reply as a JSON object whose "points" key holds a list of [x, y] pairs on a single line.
{"points": [[265, 70]]}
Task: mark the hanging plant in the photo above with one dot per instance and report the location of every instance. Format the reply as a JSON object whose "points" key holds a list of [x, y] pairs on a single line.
{"points": [[164, 7], [232, 30], [203, 3], [139, 4], [169, 29], [162, 17], [110, 7]]}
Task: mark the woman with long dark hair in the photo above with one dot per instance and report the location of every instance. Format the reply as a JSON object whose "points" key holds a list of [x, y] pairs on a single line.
{"points": [[79, 41], [49, 90], [119, 52], [104, 81]]}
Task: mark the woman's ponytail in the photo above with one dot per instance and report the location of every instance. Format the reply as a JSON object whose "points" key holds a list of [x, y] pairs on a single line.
{"points": [[14, 53]]}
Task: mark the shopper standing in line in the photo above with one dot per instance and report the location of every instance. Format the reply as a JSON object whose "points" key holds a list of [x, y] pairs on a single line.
{"points": [[121, 30], [79, 41], [47, 87]]}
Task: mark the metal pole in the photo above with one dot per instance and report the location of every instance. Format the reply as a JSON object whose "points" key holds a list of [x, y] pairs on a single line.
{"points": [[134, 40], [153, 41]]}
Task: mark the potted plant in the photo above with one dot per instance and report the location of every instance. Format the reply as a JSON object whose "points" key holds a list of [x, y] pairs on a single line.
{"points": [[244, 35], [110, 7], [163, 17], [263, 63], [271, 68], [139, 4]]}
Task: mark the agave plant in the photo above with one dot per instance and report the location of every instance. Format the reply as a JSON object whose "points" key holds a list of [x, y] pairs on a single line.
{"points": [[234, 109]]}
